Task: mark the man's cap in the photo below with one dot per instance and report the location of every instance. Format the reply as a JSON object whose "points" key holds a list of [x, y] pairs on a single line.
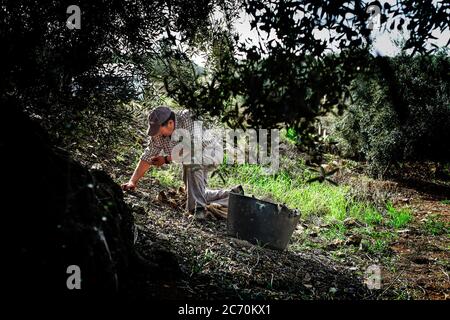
{"points": [[158, 116]]}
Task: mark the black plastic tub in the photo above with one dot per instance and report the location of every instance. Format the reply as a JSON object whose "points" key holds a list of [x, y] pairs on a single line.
{"points": [[260, 222]]}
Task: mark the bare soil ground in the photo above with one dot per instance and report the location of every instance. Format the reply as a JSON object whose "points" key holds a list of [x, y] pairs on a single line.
{"points": [[420, 262]]}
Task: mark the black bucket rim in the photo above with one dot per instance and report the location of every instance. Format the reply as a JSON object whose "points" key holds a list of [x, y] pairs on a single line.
{"points": [[294, 212]]}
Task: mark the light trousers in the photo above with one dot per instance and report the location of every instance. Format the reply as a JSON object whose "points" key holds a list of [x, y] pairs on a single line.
{"points": [[195, 178]]}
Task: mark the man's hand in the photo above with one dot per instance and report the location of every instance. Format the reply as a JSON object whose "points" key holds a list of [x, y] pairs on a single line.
{"points": [[130, 185], [158, 161]]}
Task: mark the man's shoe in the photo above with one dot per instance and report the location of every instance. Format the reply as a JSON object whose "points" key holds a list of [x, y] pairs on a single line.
{"points": [[238, 189], [199, 213]]}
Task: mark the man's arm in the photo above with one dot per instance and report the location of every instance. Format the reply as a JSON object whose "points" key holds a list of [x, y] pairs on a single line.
{"points": [[138, 173], [147, 159]]}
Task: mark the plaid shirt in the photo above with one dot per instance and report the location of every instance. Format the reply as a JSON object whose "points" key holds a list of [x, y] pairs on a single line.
{"points": [[183, 120]]}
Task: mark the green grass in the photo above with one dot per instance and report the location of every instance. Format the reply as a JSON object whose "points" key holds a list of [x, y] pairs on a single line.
{"points": [[289, 186], [446, 201], [336, 231], [434, 225], [284, 188], [289, 135], [372, 216], [377, 242], [202, 260], [168, 176], [378, 246], [398, 218]]}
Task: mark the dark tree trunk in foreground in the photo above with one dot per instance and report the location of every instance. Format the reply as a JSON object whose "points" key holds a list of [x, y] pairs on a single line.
{"points": [[63, 214]]}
